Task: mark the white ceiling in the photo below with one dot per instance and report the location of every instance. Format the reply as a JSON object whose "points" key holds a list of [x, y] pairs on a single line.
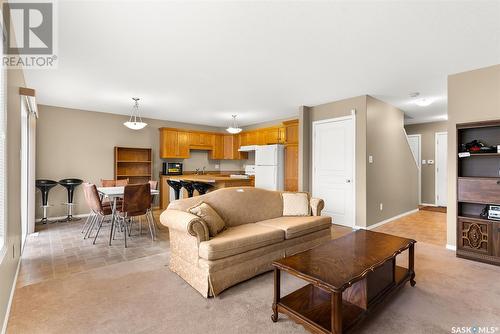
{"points": [[200, 62]]}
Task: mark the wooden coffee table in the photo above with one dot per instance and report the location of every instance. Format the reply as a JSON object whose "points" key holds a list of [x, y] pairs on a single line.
{"points": [[347, 278]]}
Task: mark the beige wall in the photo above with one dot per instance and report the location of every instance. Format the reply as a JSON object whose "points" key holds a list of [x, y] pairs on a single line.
{"points": [[472, 96], [428, 150], [80, 143], [341, 108], [8, 265], [392, 178]]}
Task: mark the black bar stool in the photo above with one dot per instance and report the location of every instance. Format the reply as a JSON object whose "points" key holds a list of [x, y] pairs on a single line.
{"points": [[201, 187], [45, 186], [176, 185], [188, 185], [70, 185]]}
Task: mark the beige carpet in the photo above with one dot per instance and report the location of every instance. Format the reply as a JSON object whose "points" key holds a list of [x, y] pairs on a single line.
{"points": [[143, 296]]}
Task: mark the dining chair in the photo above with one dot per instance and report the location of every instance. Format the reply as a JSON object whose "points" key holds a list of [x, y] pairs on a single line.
{"points": [[121, 182], [108, 183], [99, 210], [136, 204]]}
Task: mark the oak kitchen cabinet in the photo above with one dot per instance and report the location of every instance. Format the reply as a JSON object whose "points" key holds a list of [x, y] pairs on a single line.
{"points": [[217, 153], [174, 144], [201, 140], [231, 144], [291, 134]]}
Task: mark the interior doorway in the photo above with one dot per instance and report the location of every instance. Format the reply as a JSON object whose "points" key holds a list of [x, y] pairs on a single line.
{"points": [[415, 142], [333, 167], [441, 171]]}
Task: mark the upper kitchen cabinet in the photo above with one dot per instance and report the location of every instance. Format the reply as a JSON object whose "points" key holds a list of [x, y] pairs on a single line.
{"points": [[217, 153], [291, 129], [274, 135], [201, 140], [174, 143], [231, 144]]}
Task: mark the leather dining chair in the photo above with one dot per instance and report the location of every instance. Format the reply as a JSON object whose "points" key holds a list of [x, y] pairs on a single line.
{"points": [[98, 210], [136, 204], [108, 183], [121, 182]]}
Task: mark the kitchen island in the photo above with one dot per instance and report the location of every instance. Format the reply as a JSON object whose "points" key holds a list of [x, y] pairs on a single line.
{"points": [[217, 180]]}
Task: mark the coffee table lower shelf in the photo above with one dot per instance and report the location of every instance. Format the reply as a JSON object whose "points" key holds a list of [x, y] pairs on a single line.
{"points": [[312, 306]]}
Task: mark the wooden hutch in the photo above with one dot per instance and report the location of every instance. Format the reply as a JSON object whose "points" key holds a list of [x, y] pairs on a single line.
{"points": [[478, 185], [134, 164]]}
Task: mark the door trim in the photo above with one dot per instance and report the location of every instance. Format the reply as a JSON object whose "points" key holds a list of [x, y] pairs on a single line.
{"points": [[436, 134], [419, 163], [330, 120]]}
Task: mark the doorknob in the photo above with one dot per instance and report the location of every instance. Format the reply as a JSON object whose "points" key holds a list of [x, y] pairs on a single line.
{"points": [[348, 181]]}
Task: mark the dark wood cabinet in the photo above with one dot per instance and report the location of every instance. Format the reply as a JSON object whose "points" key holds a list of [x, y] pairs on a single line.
{"points": [[478, 186]]}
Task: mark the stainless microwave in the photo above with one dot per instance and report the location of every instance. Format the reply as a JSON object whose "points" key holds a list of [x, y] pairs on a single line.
{"points": [[172, 168]]}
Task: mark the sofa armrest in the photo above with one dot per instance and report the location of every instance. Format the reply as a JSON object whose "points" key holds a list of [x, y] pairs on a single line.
{"points": [[317, 204], [185, 222]]}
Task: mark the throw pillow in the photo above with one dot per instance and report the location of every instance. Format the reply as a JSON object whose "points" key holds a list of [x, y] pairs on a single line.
{"points": [[214, 222], [296, 204]]}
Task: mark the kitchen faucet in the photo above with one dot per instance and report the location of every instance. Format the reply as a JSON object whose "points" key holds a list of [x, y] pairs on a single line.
{"points": [[203, 171]]}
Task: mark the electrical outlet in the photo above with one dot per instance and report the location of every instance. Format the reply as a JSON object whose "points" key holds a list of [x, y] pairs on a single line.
{"points": [[424, 162], [381, 206], [217, 166], [370, 159]]}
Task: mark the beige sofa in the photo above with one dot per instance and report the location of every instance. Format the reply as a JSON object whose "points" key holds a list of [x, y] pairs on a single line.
{"points": [[256, 235]]}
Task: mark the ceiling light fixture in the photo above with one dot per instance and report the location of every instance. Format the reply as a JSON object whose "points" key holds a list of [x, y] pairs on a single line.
{"points": [[421, 102], [234, 129], [132, 122]]}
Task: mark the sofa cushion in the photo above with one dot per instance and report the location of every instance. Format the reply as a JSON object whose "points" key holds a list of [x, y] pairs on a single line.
{"points": [[297, 226], [214, 222], [239, 239], [296, 204]]}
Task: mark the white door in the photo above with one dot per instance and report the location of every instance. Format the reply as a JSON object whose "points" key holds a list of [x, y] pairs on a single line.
{"points": [[415, 146], [441, 169], [333, 168]]}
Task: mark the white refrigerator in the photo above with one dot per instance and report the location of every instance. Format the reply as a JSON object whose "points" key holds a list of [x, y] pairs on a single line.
{"points": [[270, 167]]}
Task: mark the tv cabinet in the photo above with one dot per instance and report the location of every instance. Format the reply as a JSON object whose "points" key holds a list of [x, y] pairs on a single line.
{"points": [[478, 185]]}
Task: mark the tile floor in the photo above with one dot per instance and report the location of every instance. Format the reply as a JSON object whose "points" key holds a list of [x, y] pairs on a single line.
{"points": [[59, 250]]}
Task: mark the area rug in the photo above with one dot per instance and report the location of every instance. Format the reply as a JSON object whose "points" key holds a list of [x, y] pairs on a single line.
{"points": [[143, 296]]}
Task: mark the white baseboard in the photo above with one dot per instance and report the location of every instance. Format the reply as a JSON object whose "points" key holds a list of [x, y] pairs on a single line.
{"points": [[428, 204], [387, 220], [11, 297], [83, 215], [451, 247]]}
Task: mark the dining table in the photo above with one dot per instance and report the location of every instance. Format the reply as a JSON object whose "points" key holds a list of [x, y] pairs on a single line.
{"points": [[112, 194]]}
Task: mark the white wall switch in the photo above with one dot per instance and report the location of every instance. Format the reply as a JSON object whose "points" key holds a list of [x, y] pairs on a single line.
{"points": [[424, 162], [430, 162], [381, 206], [370, 159]]}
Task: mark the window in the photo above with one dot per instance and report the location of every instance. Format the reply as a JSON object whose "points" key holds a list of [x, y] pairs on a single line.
{"points": [[3, 158]]}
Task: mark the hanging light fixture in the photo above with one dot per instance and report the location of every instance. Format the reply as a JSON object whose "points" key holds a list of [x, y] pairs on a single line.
{"points": [[135, 122], [234, 129]]}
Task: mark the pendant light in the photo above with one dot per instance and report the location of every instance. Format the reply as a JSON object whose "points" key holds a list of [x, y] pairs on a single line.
{"points": [[135, 122], [234, 129]]}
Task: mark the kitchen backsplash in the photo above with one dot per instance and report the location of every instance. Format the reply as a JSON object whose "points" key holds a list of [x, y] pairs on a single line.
{"points": [[198, 159]]}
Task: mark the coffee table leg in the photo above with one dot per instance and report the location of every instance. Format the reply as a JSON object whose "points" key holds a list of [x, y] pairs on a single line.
{"points": [[336, 312], [277, 287], [411, 264]]}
